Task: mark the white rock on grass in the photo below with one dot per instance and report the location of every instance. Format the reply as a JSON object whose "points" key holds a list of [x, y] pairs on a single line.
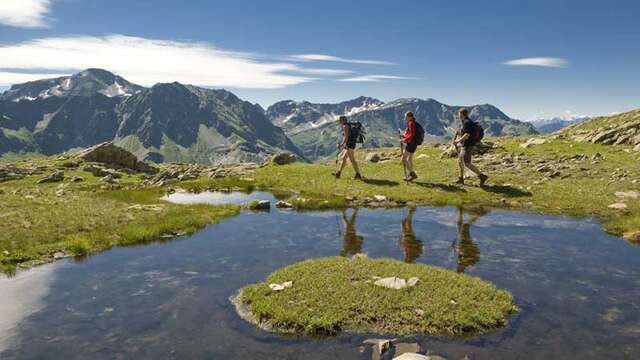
{"points": [[412, 281], [280, 287], [391, 283], [627, 194], [618, 206], [380, 197], [532, 142]]}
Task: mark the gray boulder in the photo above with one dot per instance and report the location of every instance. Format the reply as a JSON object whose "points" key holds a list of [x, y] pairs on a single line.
{"points": [[116, 157], [55, 176], [283, 158]]}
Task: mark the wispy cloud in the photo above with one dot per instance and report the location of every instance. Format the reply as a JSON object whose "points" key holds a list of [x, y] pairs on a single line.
{"points": [[24, 13], [329, 58], [374, 78], [539, 61], [148, 61]]}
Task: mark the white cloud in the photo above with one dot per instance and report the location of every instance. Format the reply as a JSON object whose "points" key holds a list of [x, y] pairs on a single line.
{"points": [[10, 78], [24, 13], [325, 72], [373, 78], [539, 61], [329, 58], [147, 61]]}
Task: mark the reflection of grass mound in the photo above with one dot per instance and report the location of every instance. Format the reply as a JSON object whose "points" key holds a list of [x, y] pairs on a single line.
{"points": [[333, 294]]}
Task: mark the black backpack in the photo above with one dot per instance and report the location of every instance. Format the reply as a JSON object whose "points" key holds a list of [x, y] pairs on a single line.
{"points": [[478, 133], [356, 132], [419, 136]]}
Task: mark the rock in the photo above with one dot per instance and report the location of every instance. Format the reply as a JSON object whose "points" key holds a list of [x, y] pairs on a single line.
{"points": [[145, 207], [76, 178], [380, 198], [262, 205], [449, 151], [402, 348], [283, 205], [618, 206], [283, 158], [391, 283], [597, 157], [280, 287], [59, 255], [380, 346], [113, 156], [60, 192], [99, 171], [533, 142], [627, 194], [109, 179], [372, 157], [637, 148], [56, 176], [412, 356], [412, 281], [422, 156], [632, 236]]}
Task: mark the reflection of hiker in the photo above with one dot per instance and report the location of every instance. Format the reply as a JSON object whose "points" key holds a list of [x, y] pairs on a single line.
{"points": [[352, 134], [470, 134], [410, 244], [411, 138], [468, 251], [352, 242]]}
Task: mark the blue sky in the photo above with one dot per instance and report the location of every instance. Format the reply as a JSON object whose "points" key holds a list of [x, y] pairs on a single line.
{"points": [[530, 58]]}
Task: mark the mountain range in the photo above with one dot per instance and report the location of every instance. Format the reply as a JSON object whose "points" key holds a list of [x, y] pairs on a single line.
{"points": [[312, 126], [172, 122], [545, 126]]}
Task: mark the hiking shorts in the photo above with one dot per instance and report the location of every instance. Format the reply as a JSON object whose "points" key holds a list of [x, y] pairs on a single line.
{"points": [[465, 154], [411, 147], [351, 145]]}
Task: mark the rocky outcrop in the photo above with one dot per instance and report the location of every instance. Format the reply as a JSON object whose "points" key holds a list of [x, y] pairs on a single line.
{"points": [[115, 157], [621, 129], [283, 158]]}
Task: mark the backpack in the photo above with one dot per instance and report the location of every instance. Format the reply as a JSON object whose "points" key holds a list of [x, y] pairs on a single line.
{"points": [[356, 132], [418, 138], [478, 133]]}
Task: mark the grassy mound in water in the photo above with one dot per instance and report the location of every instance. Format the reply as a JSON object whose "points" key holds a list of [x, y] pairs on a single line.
{"points": [[336, 294]]}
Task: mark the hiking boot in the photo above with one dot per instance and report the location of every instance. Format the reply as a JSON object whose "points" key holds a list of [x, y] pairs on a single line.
{"points": [[336, 174], [358, 176], [483, 179], [460, 181], [412, 176]]}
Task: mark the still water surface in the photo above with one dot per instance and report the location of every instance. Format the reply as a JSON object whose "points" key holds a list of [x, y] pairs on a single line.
{"points": [[579, 289]]}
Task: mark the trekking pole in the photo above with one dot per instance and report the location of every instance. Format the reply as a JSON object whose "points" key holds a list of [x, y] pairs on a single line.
{"points": [[404, 166]]}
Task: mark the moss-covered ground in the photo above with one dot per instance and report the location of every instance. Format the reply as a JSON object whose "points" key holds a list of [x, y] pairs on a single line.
{"points": [[336, 294]]}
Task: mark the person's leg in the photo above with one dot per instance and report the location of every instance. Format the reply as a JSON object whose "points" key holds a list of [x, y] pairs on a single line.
{"points": [[354, 163], [473, 168], [343, 161], [410, 162], [461, 155]]}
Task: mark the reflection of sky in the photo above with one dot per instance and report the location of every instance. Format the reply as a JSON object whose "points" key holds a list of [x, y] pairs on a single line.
{"points": [[217, 197], [20, 297]]}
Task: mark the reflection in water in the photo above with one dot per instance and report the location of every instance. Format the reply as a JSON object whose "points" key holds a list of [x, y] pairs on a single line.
{"points": [[352, 242], [468, 251], [411, 245]]}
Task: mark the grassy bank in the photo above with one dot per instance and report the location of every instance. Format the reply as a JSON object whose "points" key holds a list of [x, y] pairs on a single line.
{"points": [[582, 180], [39, 223], [335, 294]]}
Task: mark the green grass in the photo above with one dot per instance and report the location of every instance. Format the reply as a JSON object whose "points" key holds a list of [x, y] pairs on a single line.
{"points": [[336, 294], [583, 190], [36, 223]]}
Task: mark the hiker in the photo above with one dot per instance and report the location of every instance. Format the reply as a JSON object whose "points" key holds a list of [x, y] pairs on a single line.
{"points": [[468, 251], [350, 136], [352, 242], [411, 246], [409, 141], [469, 135]]}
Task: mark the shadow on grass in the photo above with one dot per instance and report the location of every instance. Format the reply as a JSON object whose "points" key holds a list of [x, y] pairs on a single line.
{"points": [[380, 182], [445, 187], [505, 190]]}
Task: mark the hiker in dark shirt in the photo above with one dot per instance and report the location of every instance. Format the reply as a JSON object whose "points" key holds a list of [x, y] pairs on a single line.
{"points": [[468, 252], [410, 140], [351, 242], [465, 142], [411, 245], [347, 148]]}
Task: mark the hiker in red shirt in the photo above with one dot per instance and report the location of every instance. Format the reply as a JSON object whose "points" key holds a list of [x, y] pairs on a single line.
{"points": [[411, 138]]}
